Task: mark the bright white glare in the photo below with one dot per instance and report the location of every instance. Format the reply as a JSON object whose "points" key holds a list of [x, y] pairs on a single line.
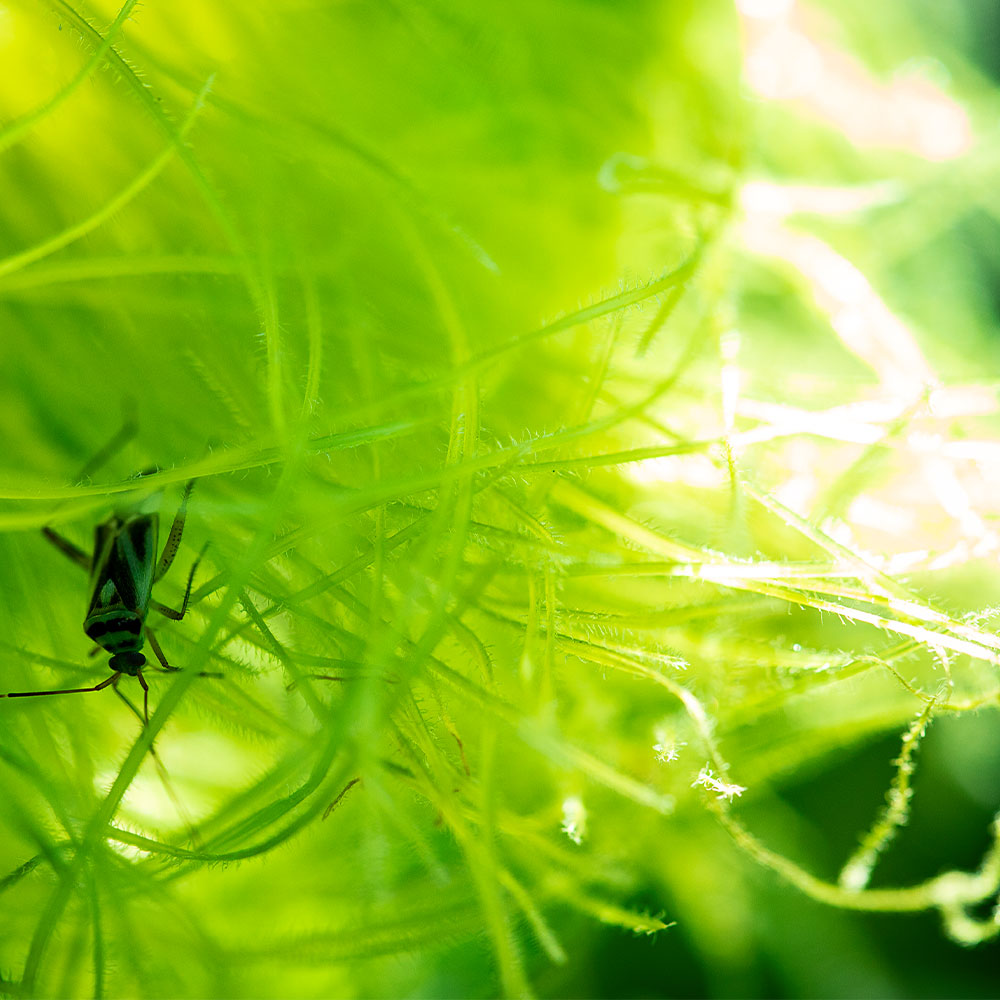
{"points": [[784, 62], [890, 518], [797, 492], [957, 478], [944, 402], [799, 488], [766, 199], [784, 65], [924, 442], [780, 421], [729, 348], [574, 823], [765, 9], [947, 488], [867, 422], [984, 452], [863, 322], [780, 200], [697, 471], [963, 401], [937, 127]]}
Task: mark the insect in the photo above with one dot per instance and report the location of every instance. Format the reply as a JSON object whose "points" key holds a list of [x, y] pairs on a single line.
{"points": [[123, 569]]}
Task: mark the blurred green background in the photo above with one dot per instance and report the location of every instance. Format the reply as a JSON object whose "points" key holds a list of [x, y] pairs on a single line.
{"points": [[593, 414]]}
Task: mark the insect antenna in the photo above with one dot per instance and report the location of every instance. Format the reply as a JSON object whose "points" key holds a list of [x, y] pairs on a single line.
{"points": [[123, 435]]}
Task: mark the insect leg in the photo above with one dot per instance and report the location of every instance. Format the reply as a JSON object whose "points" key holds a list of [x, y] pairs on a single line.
{"points": [[67, 548], [118, 691], [170, 612], [154, 644], [35, 694], [174, 537], [145, 696]]}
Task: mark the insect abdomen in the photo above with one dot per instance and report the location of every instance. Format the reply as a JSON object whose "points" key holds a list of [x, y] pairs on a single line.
{"points": [[119, 631]]}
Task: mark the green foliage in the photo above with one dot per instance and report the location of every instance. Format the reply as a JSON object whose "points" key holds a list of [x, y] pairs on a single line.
{"points": [[573, 512]]}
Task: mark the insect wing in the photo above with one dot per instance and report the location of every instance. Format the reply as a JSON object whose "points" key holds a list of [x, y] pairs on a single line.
{"points": [[101, 594], [122, 574]]}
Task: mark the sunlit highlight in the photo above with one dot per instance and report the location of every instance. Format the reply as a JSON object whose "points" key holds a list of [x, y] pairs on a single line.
{"points": [[729, 349], [887, 518], [697, 471], [950, 492], [779, 200], [765, 8], [574, 821], [783, 61], [863, 322]]}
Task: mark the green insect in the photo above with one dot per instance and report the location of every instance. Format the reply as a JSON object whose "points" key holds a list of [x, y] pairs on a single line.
{"points": [[123, 569]]}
